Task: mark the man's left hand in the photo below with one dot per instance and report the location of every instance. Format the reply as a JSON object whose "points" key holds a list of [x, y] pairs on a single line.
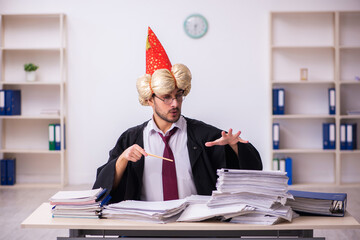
{"points": [[228, 138]]}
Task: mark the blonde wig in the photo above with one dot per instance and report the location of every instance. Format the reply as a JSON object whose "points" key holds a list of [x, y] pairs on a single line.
{"points": [[162, 82]]}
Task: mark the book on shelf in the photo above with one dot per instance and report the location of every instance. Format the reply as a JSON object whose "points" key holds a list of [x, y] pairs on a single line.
{"points": [[329, 136], [285, 165], [3, 171], [353, 112], [348, 136], [276, 135], [8, 171], [351, 136], [275, 165], [278, 101], [318, 203], [332, 102], [55, 137], [343, 136], [50, 111], [10, 102], [2, 102], [288, 169], [51, 136]]}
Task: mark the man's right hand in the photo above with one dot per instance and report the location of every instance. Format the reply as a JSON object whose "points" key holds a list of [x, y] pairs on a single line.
{"points": [[132, 153]]}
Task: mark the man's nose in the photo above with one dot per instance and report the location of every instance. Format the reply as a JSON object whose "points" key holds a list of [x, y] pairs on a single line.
{"points": [[174, 102]]}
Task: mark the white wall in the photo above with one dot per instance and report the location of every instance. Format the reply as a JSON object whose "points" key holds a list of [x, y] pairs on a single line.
{"points": [[106, 54]]}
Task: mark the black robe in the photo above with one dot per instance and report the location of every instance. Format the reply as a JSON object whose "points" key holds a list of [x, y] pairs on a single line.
{"points": [[204, 161]]}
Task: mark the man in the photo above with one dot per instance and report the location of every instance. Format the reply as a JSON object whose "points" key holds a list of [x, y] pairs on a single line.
{"points": [[192, 151]]}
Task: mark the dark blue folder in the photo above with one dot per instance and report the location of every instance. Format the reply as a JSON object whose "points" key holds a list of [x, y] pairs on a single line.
{"points": [[351, 142], [3, 166], [57, 137], [288, 169], [281, 101], [332, 102], [275, 99], [276, 135], [12, 102], [329, 135], [278, 101], [8, 171], [2, 102], [326, 136], [11, 171], [343, 136], [337, 202]]}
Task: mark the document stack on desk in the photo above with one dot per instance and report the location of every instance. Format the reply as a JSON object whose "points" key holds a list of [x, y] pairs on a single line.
{"points": [[245, 196], [266, 216], [77, 204], [260, 188], [148, 211], [201, 211], [255, 218], [265, 191], [318, 203]]}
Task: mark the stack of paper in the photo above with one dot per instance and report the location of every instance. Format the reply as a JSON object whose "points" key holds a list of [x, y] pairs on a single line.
{"points": [[200, 211], [245, 196], [193, 199], [267, 216], [149, 211], [266, 191], [77, 204], [255, 218], [261, 188], [229, 198]]}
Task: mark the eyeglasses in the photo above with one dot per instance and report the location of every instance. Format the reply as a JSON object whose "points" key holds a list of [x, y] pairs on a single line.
{"points": [[169, 99]]}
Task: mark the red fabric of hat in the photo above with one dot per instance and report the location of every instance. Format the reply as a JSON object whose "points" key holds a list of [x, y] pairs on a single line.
{"points": [[156, 57]]}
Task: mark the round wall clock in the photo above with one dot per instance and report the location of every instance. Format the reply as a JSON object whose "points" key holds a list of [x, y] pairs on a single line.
{"points": [[195, 26]]}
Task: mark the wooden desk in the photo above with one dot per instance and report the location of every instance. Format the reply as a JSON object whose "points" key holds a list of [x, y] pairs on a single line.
{"points": [[302, 227]]}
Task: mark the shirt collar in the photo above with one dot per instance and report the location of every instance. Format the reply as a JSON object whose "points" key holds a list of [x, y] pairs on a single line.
{"points": [[180, 124]]}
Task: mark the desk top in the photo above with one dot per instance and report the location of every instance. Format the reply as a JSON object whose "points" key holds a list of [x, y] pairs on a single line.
{"points": [[42, 218]]}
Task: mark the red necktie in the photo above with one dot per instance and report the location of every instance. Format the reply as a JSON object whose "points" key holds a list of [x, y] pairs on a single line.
{"points": [[170, 189]]}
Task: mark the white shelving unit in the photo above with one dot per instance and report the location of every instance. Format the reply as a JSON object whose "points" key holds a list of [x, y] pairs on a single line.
{"points": [[328, 45], [40, 39]]}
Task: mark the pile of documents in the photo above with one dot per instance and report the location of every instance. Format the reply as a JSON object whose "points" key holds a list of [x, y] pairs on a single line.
{"points": [[245, 196], [265, 216], [255, 218], [318, 203], [260, 188], [241, 196], [148, 211], [77, 204], [201, 211]]}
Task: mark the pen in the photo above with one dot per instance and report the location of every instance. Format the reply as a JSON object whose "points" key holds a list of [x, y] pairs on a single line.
{"points": [[167, 159]]}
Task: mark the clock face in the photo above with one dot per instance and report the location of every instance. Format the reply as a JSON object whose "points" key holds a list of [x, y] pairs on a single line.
{"points": [[195, 26]]}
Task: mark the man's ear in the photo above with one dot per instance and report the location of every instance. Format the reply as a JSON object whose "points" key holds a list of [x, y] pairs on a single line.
{"points": [[151, 101]]}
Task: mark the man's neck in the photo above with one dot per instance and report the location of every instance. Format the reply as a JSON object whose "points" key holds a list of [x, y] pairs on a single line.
{"points": [[163, 125]]}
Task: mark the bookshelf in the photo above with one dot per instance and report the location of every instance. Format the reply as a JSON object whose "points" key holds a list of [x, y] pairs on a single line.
{"points": [[40, 39], [327, 44]]}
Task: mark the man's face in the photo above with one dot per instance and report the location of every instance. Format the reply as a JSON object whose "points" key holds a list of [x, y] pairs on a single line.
{"points": [[168, 107]]}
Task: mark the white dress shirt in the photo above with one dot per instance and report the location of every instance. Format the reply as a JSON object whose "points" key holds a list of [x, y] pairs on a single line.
{"points": [[152, 177]]}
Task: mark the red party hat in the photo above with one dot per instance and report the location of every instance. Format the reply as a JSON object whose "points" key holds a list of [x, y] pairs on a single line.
{"points": [[156, 57]]}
